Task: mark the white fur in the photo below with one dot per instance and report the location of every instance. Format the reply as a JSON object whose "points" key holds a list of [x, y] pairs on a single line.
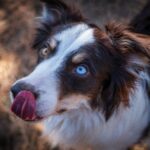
{"points": [[47, 14], [84, 128]]}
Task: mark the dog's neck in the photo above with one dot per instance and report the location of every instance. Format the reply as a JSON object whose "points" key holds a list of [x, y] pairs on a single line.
{"points": [[83, 129]]}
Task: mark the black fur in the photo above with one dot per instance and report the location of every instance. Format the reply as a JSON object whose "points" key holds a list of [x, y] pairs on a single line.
{"points": [[57, 14], [141, 23]]}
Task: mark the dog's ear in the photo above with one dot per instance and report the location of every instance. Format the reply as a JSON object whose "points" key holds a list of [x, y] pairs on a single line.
{"points": [[134, 47], [130, 53], [57, 12]]}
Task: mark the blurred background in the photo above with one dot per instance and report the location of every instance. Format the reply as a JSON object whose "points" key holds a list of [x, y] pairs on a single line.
{"points": [[17, 29]]}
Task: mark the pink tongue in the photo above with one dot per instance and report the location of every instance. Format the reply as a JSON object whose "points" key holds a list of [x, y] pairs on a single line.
{"points": [[24, 106]]}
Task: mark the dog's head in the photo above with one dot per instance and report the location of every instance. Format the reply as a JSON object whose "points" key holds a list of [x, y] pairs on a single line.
{"points": [[79, 65]]}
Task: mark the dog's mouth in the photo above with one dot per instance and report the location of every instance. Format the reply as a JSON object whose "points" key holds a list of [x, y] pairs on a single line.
{"points": [[24, 106]]}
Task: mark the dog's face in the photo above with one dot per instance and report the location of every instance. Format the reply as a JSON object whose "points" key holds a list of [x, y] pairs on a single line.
{"points": [[79, 65]]}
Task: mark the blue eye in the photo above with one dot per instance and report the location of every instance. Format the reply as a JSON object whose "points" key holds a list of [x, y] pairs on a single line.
{"points": [[81, 70]]}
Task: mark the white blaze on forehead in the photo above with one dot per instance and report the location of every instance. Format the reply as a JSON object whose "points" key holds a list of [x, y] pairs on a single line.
{"points": [[68, 36], [70, 41]]}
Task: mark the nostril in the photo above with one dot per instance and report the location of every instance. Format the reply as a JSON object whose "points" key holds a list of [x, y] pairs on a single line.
{"points": [[22, 87], [15, 90]]}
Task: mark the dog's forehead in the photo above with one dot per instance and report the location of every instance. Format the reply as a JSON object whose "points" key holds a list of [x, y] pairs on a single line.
{"points": [[70, 33], [72, 38]]}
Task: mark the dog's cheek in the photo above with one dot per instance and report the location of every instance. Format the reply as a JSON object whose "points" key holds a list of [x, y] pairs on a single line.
{"points": [[48, 98], [73, 101]]}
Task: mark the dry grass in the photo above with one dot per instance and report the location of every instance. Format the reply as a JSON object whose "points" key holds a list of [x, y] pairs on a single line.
{"points": [[8, 71], [17, 135]]}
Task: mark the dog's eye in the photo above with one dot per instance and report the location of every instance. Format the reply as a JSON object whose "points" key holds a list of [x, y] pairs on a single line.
{"points": [[81, 70], [44, 52]]}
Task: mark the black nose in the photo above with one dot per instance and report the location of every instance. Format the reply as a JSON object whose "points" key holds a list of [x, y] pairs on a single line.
{"points": [[21, 87]]}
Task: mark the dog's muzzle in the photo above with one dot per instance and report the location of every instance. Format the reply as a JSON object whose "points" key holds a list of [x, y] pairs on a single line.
{"points": [[24, 103]]}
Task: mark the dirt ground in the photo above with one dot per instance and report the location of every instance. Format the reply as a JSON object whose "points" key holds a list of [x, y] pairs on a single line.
{"points": [[17, 31]]}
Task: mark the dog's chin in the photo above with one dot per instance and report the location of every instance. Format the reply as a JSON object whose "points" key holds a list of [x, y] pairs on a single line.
{"points": [[41, 117]]}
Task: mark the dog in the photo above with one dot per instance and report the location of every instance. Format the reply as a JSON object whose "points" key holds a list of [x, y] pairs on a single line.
{"points": [[91, 87]]}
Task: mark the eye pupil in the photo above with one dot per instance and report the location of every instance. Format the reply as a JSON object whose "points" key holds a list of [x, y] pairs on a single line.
{"points": [[44, 52]]}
